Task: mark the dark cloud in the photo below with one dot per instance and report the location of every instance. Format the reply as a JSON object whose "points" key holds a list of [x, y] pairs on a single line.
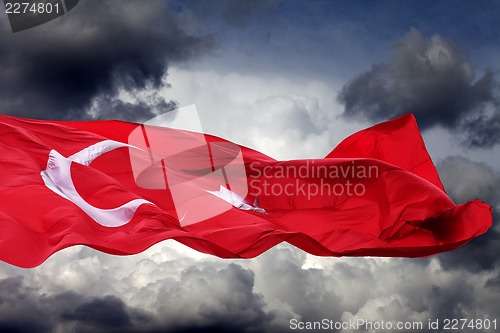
{"points": [[482, 128], [465, 180], [202, 300], [210, 298], [23, 309], [216, 296], [453, 300], [432, 78], [494, 282], [59, 69], [233, 13], [109, 107], [304, 290], [16, 302], [393, 290], [106, 314]]}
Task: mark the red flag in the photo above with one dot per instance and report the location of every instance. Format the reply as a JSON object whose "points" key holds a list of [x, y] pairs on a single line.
{"points": [[121, 187]]}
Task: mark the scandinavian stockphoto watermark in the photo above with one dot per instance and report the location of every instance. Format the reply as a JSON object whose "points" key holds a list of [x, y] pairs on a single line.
{"points": [[311, 178], [207, 176]]}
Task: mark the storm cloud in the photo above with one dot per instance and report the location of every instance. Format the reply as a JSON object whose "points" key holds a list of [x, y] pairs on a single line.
{"points": [[86, 58], [433, 79], [235, 14], [23, 309], [203, 299], [465, 180]]}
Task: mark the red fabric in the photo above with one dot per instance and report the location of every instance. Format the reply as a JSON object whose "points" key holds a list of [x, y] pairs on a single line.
{"points": [[403, 210]]}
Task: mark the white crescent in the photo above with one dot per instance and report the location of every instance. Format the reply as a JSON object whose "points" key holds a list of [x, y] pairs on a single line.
{"points": [[57, 177]]}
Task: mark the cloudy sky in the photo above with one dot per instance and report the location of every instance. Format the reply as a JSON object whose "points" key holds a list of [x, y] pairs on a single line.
{"points": [[291, 79]]}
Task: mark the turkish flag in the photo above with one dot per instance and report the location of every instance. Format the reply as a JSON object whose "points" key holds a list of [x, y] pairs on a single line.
{"points": [[121, 187]]}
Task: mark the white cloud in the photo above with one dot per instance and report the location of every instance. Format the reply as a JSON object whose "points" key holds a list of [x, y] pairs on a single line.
{"points": [[283, 118], [266, 292]]}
